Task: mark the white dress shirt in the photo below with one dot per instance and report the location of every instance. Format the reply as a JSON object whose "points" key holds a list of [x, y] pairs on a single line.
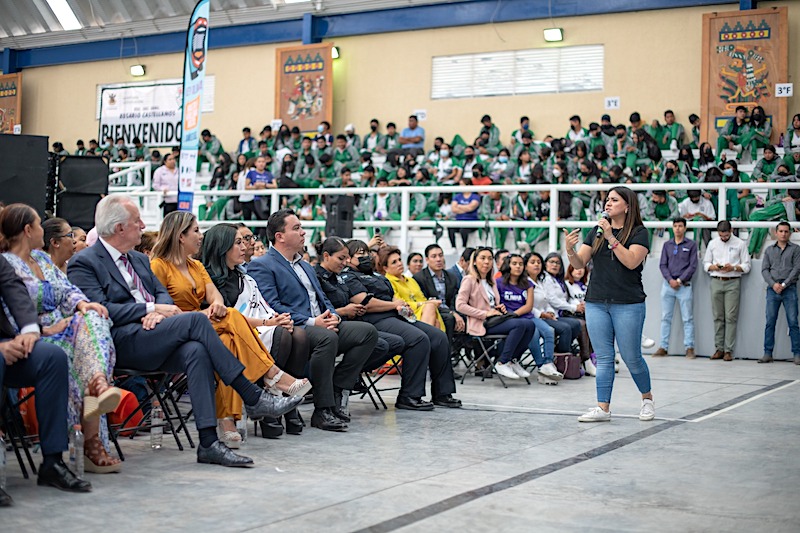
{"points": [[116, 257], [734, 251]]}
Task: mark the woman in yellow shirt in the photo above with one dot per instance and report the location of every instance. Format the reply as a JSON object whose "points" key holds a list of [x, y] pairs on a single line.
{"points": [[390, 264], [190, 287]]}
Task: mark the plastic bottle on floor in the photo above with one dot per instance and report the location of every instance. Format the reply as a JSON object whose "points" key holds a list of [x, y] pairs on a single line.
{"points": [[76, 451], [156, 425]]}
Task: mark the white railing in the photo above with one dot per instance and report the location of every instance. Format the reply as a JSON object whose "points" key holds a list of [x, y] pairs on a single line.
{"points": [[129, 169], [552, 225]]}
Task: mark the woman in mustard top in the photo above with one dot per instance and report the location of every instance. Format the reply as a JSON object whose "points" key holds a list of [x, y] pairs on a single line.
{"points": [[191, 287], [390, 264]]}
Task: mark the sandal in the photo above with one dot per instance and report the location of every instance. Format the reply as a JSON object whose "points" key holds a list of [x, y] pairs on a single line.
{"points": [[230, 438], [102, 398], [300, 387], [98, 461]]}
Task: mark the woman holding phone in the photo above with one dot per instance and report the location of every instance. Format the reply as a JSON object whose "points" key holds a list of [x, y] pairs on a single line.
{"points": [[615, 298]]}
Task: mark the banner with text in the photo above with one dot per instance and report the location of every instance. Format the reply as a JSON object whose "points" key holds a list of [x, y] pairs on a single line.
{"points": [[10, 102], [304, 85], [194, 71], [745, 54], [150, 112]]}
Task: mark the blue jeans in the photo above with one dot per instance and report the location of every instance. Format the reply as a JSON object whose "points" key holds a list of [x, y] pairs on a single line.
{"points": [[684, 297], [789, 300], [545, 332], [623, 322], [519, 331]]}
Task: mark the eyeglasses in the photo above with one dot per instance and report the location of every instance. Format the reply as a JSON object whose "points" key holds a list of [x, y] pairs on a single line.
{"points": [[554, 261], [248, 238], [70, 235]]}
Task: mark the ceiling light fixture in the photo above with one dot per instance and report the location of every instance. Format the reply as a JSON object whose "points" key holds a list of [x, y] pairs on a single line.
{"points": [[66, 17]]}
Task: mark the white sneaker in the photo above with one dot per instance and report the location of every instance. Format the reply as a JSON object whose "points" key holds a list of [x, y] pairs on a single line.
{"points": [[519, 370], [505, 370], [648, 410], [595, 414], [647, 342], [616, 363], [549, 370], [589, 368]]}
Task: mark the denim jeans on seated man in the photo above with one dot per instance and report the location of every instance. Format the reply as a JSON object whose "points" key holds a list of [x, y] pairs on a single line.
{"points": [[623, 322], [683, 295], [789, 300]]}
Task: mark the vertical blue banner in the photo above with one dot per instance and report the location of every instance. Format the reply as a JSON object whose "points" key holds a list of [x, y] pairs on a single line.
{"points": [[194, 72]]}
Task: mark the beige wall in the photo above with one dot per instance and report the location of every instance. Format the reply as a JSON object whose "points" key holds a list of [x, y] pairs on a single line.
{"points": [[652, 63]]}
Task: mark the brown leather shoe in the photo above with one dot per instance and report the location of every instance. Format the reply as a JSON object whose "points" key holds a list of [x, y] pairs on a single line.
{"points": [[690, 353], [717, 355], [728, 356], [661, 352]]}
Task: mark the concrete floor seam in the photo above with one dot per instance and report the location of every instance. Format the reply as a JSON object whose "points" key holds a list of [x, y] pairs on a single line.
{"points": [[531, 475]]}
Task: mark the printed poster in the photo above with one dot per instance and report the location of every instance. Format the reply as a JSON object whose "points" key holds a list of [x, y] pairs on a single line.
{"points": [[10, 102], [304, 85]]}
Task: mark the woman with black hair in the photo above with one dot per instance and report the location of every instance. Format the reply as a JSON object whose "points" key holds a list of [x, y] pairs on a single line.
{"points": [[59, 241], [791, 139], [426, 345], [615, 298], [705, 161], [602, 160], [758, 134], [222, 180], [686, 162]]}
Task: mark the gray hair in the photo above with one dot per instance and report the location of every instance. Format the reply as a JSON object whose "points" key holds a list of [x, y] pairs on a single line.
{"points": [[111, 211]]}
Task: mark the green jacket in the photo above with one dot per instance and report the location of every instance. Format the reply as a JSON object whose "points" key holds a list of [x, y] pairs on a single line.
{"points": [[488, 209]]}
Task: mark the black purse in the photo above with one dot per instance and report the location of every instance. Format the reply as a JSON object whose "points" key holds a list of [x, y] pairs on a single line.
{"points": [[496, 320]]}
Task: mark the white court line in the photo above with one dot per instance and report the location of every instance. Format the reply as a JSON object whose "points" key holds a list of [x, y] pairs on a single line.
{"points": [[743, 402], [564, 412]]}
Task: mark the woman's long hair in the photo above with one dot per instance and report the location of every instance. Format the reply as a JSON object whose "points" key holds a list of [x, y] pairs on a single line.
{"points": [[13, 219], [527, 258], [473, 268], [633, 218], [505, 272], [217, 241], [168, 245]]}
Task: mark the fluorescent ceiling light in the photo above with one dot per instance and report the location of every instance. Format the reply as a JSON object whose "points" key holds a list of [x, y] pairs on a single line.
{"points": [[295, 1], [553, 35], [64, 14]]}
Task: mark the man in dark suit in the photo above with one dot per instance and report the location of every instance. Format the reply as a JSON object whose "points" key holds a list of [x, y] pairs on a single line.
{"points": [[441, 284], [461, 266], [28, 362], [290, 285], [150, 333]]}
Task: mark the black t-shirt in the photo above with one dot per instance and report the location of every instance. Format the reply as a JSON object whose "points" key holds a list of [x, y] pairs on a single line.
{"points": [[611, 281], [379, 286], [334, 287]]}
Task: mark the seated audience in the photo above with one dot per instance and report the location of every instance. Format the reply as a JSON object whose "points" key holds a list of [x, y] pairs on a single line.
{"points": [[440, 284], [406, 289], [79, 235], [143, 314]]}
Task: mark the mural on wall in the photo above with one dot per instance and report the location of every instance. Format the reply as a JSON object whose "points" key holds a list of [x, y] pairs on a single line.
{"points": [[303, 84], [745, 53], [10, 102]]}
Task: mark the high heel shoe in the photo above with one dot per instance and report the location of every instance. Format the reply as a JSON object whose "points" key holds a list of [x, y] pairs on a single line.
{"points": [[97, 459], [299, 388], [230, 438], [294, 422], [271, 428], [102, 398]]}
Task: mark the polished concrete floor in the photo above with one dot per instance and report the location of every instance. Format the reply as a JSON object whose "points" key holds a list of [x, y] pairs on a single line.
{"points": [[721, 456]]}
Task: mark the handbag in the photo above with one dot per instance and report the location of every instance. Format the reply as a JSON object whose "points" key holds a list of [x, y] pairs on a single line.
{"points": [[568, 364], [496, 320]]}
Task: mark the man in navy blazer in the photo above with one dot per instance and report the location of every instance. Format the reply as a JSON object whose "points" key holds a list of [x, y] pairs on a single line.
{"points": [[150, 333], [25, 361], [290, 285], [463, 263]]}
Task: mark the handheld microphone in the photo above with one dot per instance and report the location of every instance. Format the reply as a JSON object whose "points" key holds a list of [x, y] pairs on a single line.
{"points": [[603, 215]]}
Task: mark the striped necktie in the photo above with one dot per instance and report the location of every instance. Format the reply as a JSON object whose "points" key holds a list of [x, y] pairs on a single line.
{"points": [[137, 282]]}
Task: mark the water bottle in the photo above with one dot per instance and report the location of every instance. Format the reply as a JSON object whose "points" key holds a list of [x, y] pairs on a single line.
{"points": [[76, 451], [408, 314], [241, 427], [156, 425], [2, 464]]}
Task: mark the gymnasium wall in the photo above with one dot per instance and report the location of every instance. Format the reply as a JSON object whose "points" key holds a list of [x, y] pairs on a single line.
{"points": [[652, 62]]}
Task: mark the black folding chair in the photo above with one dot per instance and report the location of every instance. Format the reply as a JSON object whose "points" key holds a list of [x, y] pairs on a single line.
{"points": [[487, 345], [167, 388], [11, 420], [368, 386]]}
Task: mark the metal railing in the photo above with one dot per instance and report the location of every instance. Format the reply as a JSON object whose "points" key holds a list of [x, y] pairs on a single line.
{"points": [[129, 169], [553, 225]]}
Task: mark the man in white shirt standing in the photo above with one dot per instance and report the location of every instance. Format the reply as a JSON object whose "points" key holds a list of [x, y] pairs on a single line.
{"points": [[726, 260]]}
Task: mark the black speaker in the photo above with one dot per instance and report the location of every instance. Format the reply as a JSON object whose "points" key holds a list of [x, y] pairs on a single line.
{"points": [[83, 174], [23, 170], [78, 209], [339, 221]]}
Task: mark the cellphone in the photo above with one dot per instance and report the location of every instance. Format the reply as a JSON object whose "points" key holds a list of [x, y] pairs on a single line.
{"points": [[367, 298], [720, 266], [377, 231]]}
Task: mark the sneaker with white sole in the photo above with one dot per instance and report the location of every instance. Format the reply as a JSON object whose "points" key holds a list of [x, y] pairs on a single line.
{"points": [[589, 367], [549, 370], [648, 410], [595, 414], [519, 370], [505, 370], [647, 342]]}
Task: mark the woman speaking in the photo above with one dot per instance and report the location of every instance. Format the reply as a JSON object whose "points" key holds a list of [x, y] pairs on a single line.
{"points": [[615, 307]]}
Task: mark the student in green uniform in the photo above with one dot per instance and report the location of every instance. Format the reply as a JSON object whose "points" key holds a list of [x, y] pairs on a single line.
{"points": [[267, 136], [432, 158], [526, 144], [492, 130], [596, 137], [619, 148], [329, 170], [575, 132], [791, 159], [791, 139], [210, 149], [345, 155], [759, 132], [744, 198], [767, 166], [423, 205], [523, 207], [307, 172], [687, 163], [731, 135], [524, 126], [673, 174], [660, 206], [636, 123], [320, 146], [373, 139], [602, 160], [637, 153], [777, 207], [495, 206], [502, 169], [672, 133], [390, 141], [694, 120], [81, 148], [353, 139]]}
